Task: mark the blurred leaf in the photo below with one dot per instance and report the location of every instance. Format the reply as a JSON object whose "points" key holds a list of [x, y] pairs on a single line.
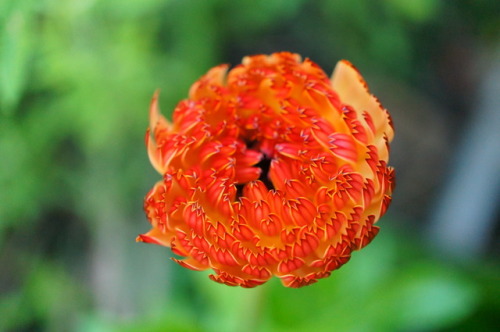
{"points": [[229, 309], [18, 175], [418, 11], [54, 295], [373, 293], [50, 297], [390, 46], [428, 297], [171, 321], [13, 312], [16, 42], [250, 16]]}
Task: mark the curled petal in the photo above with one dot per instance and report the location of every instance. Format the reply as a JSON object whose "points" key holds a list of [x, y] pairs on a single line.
{"points": [[154, 236], [352, 88]]}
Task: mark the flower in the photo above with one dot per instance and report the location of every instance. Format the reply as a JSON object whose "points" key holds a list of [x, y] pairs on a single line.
{"points": [[270, 168]]}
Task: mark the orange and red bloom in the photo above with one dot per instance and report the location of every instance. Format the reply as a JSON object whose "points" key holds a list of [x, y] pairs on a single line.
{"points": [[270, 168]]}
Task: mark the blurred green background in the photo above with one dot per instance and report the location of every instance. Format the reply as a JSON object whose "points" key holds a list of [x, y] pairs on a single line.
{"points": [[76, 78]]}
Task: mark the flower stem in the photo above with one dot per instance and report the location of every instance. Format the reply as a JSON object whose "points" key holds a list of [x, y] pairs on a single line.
{"points": [[252, 309]]}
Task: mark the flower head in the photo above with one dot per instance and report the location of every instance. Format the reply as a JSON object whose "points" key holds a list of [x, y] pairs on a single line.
{"points": [[270, 168]]}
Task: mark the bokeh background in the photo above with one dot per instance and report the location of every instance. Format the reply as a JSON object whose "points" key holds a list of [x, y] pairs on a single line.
{"points": [[76, 78]]}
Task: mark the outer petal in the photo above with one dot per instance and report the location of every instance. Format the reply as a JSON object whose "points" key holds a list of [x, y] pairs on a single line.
{"points": [[353, 90], [155, 236], [158, 127]]}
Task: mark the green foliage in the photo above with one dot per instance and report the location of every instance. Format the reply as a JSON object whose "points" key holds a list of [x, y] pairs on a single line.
{"points": [[76, 78], [375, 291]]}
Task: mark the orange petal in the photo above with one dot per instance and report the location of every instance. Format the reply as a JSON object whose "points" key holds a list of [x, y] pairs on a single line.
{"points": [[155, 236], [353, 90]]}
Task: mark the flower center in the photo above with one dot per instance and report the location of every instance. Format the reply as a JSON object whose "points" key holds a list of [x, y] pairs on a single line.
{"points": [[264, 165]]}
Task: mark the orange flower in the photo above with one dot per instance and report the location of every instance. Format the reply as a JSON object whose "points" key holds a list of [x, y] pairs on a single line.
{"points": [[270, 169]]}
